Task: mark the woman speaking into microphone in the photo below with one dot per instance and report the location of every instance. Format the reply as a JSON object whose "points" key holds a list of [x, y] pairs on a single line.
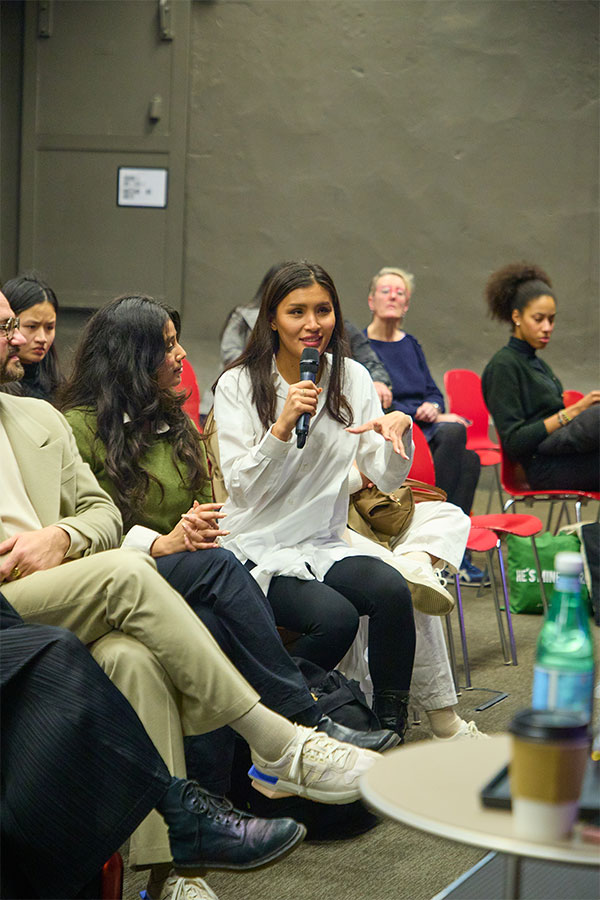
{"points": [[288, 502]]}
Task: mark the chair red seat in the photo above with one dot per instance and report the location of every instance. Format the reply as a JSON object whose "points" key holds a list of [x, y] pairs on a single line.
{"points": [[481, 539], [509, 523]]}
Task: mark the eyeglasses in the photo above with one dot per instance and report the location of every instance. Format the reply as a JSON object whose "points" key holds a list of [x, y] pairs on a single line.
{"points": [[9, 327]]}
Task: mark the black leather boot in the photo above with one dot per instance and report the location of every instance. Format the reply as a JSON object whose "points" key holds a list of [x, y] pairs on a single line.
{"points": [[370, 740], [391, 708], [206, 831]]}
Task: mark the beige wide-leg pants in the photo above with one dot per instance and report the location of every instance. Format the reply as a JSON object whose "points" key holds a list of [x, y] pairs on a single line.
{"points": [[154, 648]]}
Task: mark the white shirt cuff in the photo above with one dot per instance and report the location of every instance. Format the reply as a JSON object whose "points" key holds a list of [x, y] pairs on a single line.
{"points": [[274, 448], [78, 545], [140, 538]]}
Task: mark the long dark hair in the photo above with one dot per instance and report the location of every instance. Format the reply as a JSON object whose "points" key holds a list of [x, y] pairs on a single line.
{"points": [[115, 372], [22, 293], [264, 342]]}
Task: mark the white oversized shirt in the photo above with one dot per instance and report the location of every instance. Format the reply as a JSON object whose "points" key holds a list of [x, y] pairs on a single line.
{"points": [[288, 507]]}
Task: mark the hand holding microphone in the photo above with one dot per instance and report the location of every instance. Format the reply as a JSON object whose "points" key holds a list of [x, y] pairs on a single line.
{"points": [[301, 401], [309, 366]]}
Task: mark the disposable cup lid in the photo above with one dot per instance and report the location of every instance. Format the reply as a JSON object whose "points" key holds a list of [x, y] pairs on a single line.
{"points": [[550, 725]]}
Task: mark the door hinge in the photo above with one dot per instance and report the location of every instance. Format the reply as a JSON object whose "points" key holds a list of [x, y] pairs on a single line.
{"points": [[165, 20], [44, 18]]}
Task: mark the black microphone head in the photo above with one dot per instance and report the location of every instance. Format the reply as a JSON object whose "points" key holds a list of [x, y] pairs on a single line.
{"points": [[309, 359]]}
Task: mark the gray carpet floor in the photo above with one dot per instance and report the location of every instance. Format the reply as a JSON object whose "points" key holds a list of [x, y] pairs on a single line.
{"points": [[395, 861]]}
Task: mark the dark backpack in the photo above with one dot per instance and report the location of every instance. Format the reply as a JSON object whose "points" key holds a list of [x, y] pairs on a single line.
{"points": [[338, 697]]}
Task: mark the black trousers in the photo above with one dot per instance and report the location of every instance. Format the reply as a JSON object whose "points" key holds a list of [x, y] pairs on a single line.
{"points": [[79, 772], [226, 597], [568, 459], [327, 613], [456, 468]]}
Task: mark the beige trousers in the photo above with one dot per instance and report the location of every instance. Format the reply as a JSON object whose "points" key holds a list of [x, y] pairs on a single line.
{"points": [[154, 648]]}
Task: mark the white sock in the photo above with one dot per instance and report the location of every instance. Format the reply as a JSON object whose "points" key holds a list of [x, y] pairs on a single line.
{"points": [[444, 722], [265, 731]]}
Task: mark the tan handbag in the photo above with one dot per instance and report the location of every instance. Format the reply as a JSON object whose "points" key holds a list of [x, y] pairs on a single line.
{"points": [[381, 516], [388, 514]]}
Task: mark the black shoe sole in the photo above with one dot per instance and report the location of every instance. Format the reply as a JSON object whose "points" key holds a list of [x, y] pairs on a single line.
{"points": [[260, 863]]}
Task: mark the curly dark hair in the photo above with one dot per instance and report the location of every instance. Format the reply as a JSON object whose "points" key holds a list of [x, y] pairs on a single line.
{"points": [[513, 287], [264, 342], [22, 293], [115, 373]]}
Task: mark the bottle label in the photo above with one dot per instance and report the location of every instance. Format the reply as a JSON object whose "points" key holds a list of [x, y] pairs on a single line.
{"points": [[554, 689]]}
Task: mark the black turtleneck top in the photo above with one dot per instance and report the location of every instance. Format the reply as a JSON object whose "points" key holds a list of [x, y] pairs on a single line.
{"points": [[520, 391]]}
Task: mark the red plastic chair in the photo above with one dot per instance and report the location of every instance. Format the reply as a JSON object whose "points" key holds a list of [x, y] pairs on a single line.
{"points": [[465, 398], [495, 526], [422, 468], [189, 384], [479, 539], [514, 482]]}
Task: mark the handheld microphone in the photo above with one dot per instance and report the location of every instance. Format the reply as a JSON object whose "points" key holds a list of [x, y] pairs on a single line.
{"points": [[309, 366]]}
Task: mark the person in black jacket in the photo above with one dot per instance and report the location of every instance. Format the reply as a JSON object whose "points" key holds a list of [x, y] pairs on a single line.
{"points": [[556, 445]]}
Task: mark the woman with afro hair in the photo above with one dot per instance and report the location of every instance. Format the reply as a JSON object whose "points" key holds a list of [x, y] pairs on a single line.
{"points": [[557, 445]]}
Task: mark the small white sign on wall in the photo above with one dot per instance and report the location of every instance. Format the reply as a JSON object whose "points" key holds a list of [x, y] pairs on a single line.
{"points": [[142, 186]]}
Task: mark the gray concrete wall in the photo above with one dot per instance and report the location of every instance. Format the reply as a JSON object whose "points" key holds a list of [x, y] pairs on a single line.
{"points": [[449, 137]]}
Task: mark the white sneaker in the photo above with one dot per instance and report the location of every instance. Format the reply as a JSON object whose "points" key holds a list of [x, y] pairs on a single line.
{"points": [[314, 766], [427, 586], [466, 730], [177, 887]]}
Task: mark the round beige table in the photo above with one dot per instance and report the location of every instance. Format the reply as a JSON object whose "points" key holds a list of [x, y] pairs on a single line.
{"points": [[435, 787]]}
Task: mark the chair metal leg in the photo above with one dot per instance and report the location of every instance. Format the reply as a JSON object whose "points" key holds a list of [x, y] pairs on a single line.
{"points": [[506, 654], [550, 511], [511, 634], [452, 652], [499, 486], [489, 502], [538, 569], [463, 635], [510, 502], [578, 511]]}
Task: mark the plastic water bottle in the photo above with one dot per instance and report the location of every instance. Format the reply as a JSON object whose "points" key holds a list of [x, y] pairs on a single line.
{"points": [[563, 675]]}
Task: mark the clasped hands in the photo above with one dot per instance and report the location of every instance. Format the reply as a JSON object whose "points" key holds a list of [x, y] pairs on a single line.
{"points": [[198, 529], [427, 412]]}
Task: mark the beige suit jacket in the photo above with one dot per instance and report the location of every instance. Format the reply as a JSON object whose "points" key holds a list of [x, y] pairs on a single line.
{"points": [[60, 485]]}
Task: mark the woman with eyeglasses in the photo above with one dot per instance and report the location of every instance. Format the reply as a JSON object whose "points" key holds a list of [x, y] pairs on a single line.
{"points": [[416, 393], [35, 303]]}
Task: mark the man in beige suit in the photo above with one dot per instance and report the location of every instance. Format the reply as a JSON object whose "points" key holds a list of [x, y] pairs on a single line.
{"points": [[56, 568]]}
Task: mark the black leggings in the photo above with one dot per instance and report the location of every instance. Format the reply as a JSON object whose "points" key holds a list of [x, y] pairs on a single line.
{"points": [[456, 468], [326, 614]]}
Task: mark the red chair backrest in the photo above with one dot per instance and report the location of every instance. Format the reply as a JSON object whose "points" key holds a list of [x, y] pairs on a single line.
{"points": [[190, 386], [465, 398], [570, 397], [422, 467]]}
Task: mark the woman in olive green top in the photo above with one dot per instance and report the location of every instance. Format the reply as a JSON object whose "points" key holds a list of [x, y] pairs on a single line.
{"points": [[126, 413], [557, 445]]}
